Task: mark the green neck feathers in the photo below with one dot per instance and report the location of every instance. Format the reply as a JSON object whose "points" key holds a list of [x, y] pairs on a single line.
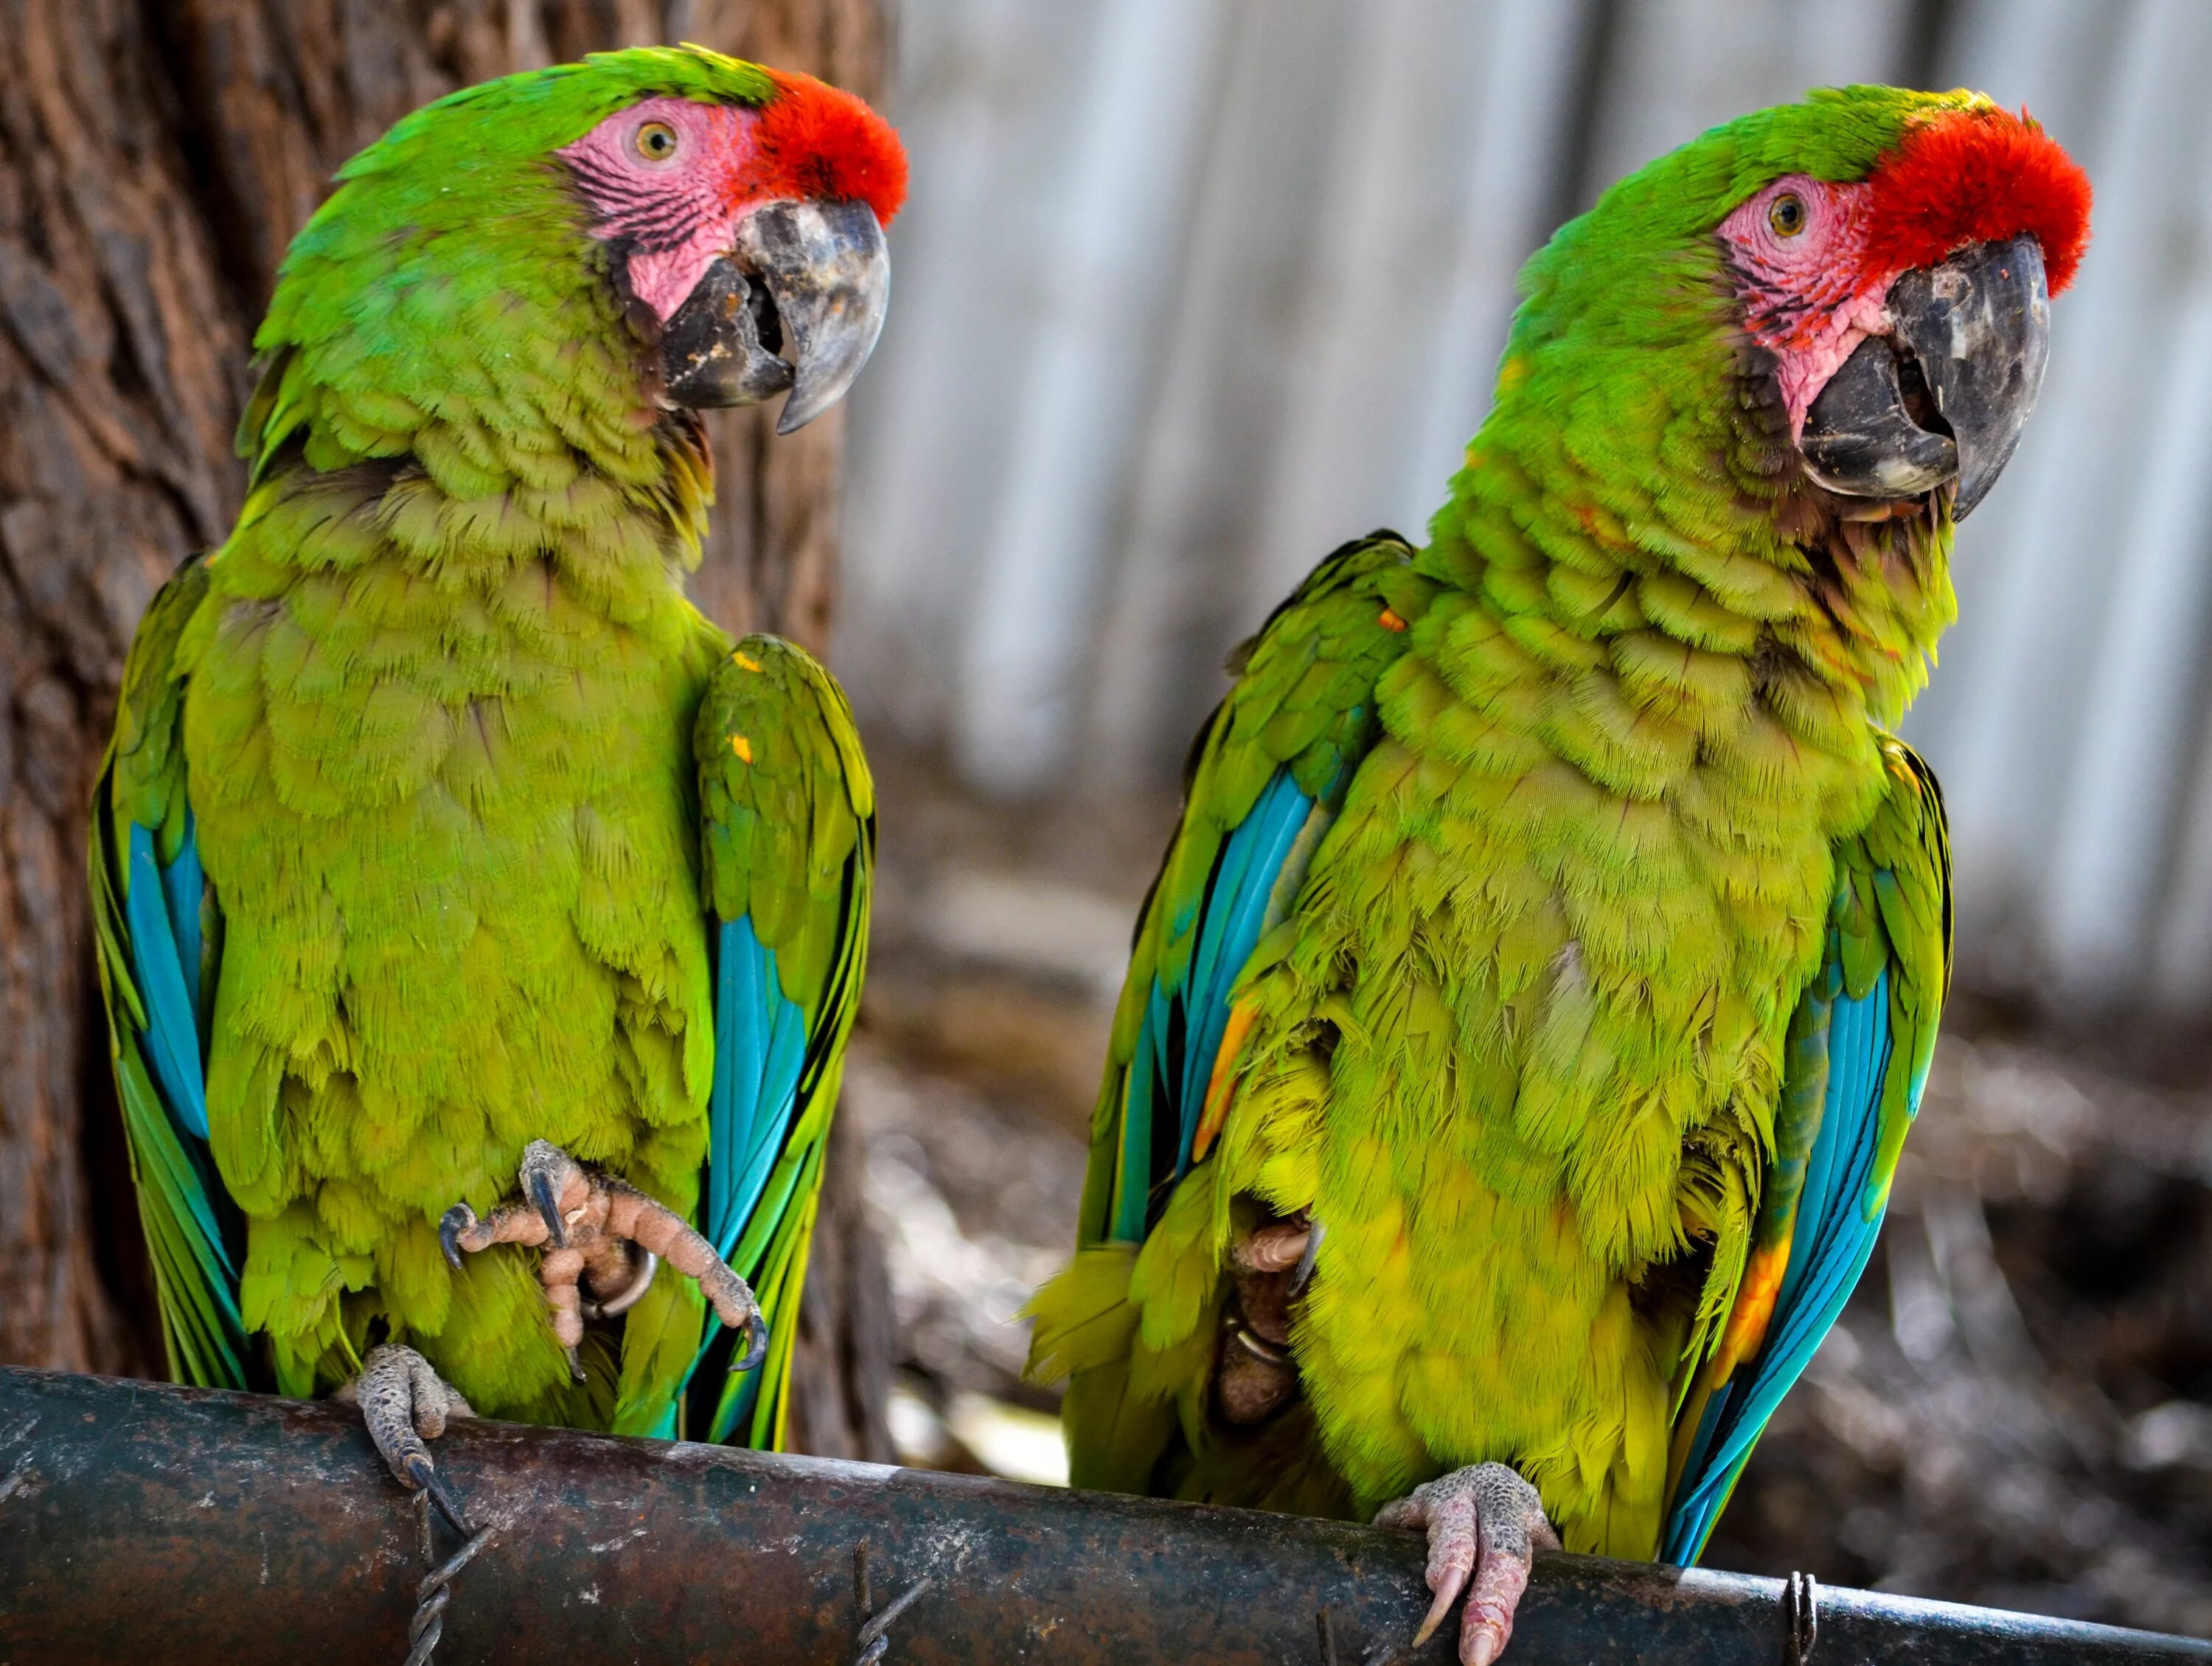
{"points": [[1634, 502]]}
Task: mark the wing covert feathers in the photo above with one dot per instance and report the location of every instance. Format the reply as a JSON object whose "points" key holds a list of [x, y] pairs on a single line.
{"points": [[158, 933], [1130, 1321], [1266, 775], [788, 848], [1859, 1048]]}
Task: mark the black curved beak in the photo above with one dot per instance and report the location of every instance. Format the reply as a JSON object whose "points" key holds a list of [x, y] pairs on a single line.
{"points": [[1946, 393], [796, 304]]}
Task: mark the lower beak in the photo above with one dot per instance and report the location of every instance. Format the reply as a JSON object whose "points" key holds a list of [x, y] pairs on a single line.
{"points": [[796, 304], [1946, 393]]}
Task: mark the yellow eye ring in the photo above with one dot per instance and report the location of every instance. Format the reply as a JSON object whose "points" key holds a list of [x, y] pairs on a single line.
{"points": [[656, 142], [1786, 214]]}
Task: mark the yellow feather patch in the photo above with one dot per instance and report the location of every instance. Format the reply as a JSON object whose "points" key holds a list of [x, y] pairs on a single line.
{"points": [[742, 747], [744, 661]]}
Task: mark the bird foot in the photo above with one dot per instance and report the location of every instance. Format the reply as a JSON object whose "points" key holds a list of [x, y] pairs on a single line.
{"points": [[405, 1402], [1483, 1521], [1254, 1376], [592, 1221]]}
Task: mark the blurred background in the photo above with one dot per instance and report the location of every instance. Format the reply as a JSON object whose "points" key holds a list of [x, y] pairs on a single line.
{"points": [[1190, 290]]}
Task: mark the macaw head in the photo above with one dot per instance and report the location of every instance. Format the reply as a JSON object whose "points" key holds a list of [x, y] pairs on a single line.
{"points": [[749, 226], [1879, 263], [540, 263], [1907, 309]]}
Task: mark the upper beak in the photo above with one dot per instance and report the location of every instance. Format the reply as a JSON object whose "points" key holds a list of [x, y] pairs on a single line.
{"points": [[1945, 394], [806, 279]]}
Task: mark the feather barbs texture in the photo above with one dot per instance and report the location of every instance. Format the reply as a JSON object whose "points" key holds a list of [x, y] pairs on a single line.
{"points": [[818, 141], [1978, 175], [789, 833]]}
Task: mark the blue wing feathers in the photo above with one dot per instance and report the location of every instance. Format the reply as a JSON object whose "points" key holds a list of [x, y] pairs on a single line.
{"points": [[1244, 893], [1144, 1069], [760, 1053], [183, 886], [1260, 846], [170, 990], [786, 1057], [760, 1049], [161, 916], [735, 1094], [1829, 1250]]}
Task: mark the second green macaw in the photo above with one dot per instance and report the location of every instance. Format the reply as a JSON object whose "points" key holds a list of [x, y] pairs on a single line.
{"points": [[1523, 1027], [443, 846]]}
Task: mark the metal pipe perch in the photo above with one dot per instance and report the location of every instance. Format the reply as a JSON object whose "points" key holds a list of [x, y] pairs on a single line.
{"points": [[140, 1522]]}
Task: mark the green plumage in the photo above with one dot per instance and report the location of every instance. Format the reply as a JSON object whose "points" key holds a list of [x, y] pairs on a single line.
{"points": [[790, 845], [1600, 788], [431, 708]]}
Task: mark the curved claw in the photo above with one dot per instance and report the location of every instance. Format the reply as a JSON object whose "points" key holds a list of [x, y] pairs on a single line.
{"points": [[1302, 1275], [1483, 1523], [451, 1225], [548, 1206], [756, 1345], [418, 1472], [629, 1295]]}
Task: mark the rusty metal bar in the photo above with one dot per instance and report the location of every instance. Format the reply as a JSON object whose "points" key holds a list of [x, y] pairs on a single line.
{"points": [[141, 1523]]}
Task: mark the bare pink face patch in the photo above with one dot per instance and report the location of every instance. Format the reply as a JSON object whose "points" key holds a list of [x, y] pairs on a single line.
{"points": [[668, 177], [671, 178], [1798, 251]]}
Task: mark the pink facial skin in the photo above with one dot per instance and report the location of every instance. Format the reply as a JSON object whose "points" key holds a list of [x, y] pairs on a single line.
{"points": [[1807, 298], [679, 213]]}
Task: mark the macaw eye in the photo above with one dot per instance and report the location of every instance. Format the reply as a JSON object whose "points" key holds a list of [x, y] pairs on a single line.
{"points": [[1786, 214], [655, 142]]}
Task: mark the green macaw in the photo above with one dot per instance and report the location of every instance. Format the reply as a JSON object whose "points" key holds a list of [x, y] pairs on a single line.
{"points": [[441, 838], [1523, 1026]]}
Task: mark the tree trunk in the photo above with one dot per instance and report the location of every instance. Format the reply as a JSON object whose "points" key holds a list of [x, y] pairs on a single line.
{"points": [[155, 160]]}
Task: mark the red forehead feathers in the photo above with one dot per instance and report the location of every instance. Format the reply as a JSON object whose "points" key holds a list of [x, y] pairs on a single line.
{"points": [[1977, 176], [815, 141]]}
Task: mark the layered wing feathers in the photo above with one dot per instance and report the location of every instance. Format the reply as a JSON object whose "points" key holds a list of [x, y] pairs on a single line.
{"points": [[158, 935], [1267, 777], [1125, 1324], [787, 844], [787, 841], [1859, 1048]]}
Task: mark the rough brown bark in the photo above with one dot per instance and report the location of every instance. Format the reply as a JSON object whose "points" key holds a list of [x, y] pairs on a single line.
{"points": [[155, 157]]}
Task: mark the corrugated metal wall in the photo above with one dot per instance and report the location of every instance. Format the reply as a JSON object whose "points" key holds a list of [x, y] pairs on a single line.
{"points": [[1189, 291]]}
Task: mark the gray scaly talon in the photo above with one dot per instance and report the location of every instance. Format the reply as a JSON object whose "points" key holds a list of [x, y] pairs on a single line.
{"points": [[1486, 1522], [621, 1303], [405, 1402]]}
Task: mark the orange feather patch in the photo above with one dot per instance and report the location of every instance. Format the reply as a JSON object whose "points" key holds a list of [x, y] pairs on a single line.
{"points": [[1221, 1085], [1754, 1306]]}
